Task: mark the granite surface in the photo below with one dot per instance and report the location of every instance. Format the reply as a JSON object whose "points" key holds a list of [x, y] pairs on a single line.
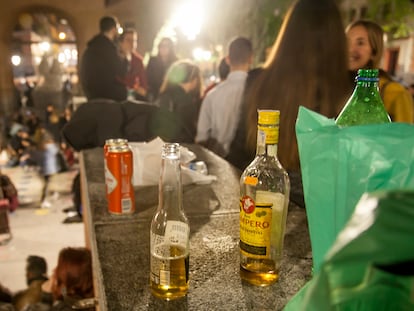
{"points": [[120, 245]]}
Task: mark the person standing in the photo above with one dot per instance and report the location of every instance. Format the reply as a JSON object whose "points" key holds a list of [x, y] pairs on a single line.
{"points": [[220, 109], [317, 79], [366, 47], [178, 102], [158, 66], [102, 66], [136, 77]]}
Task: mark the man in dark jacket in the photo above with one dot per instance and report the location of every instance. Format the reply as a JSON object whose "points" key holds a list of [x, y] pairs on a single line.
{"points": [[102, 67]]}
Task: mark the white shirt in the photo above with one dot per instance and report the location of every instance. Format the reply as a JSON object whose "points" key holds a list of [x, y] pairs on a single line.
{"points": [[220, 111]]}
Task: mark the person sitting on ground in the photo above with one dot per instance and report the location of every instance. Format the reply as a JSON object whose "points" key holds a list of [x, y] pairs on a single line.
{"points": [[36, 271], [76, 197], [20, 148], [9, 191], [5, 294], [71, 283], [5, 299]]}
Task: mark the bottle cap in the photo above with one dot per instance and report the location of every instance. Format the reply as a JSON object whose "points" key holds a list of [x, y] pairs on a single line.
{"points": [[171, 151], [367, 75], [269, 117]]}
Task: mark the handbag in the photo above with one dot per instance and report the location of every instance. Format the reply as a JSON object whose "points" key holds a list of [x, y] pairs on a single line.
{"points": [[9, 192]]}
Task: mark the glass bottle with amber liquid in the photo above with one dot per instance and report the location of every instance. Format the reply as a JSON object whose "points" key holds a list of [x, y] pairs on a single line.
{"points": [[170, 232], [365, 105], [264, 199]]}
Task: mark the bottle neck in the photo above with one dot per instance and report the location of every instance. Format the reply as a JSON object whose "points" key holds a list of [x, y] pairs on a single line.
{"points": [[170, 186], [267, 139], [368, 83]]}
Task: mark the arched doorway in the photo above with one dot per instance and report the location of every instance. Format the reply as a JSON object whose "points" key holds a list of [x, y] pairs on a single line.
{"points": [[44, 58]]}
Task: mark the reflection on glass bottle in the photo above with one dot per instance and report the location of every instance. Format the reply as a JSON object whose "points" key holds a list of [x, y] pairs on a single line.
{"points": [[365, 105], [264, 190], [170, 232]]}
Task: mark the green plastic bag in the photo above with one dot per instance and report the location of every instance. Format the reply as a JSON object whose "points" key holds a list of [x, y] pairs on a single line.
{"points": [[371, 265], [340, 164]]}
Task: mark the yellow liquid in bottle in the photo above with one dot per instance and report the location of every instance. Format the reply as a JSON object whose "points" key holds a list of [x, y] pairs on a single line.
{"points": [[169, 275], [265, 271]]}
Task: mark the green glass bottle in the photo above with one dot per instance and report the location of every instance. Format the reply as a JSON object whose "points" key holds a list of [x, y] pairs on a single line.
{"points": [[365, 105]]}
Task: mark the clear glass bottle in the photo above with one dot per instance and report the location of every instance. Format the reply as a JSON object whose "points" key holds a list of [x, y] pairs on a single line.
{"points": [[365, 105], [170, 232], [264, 191]]}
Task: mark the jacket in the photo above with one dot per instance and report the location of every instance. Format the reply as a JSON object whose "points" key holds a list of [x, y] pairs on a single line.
{"points": [[98, 120], [101, 70], [397, 100], [176, 119]]}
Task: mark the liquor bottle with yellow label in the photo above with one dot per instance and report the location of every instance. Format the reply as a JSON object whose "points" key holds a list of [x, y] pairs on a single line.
{"points": [[264, 199]]}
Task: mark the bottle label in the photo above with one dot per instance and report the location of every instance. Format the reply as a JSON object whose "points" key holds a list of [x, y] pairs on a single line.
{"points": [[255, 227], [271, 134], [262, 224], [110, 180], [177, 233]]}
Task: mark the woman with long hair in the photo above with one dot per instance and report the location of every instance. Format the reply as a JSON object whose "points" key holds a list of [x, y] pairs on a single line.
{"points": [[158, 66], [307, 66]]}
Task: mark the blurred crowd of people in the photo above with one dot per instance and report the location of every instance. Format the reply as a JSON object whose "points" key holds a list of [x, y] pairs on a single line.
{"points": [[30, 142], [112, 68], [312, 63], [318, 72], [222, 116], [38, 145]]}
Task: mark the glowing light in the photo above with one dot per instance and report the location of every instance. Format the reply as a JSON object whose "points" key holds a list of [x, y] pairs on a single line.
{"points": [[68, 53], [62, 35], [189, 18], [16, 60], [44, 46], [37, 60], [201, 55], [120, 30], [61, 58]]}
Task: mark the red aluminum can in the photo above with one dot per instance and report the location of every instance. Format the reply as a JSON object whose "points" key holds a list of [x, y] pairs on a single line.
{"points": [[118, 179]]}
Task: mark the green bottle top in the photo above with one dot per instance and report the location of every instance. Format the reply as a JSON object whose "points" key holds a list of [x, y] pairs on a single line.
{"points": [[365, 105]]}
